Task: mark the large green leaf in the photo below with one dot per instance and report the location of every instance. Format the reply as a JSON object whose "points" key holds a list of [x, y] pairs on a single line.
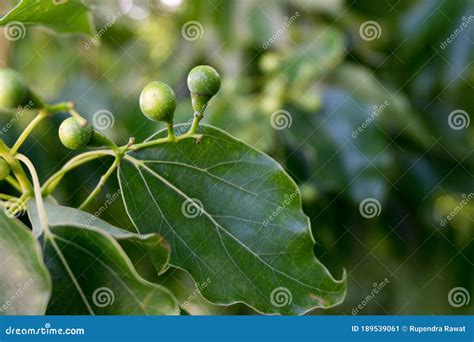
{"points": [[64, 16], [25, 285], [233, 219], [91, 272]]}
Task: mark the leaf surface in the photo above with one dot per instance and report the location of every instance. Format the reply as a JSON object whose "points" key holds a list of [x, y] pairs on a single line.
{"points": [[63, 16], [145, 251], [25, 284], [234, 221], [91, 272]]}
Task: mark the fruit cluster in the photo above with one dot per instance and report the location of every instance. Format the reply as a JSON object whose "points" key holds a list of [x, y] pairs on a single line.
{"points": [[157, 102]]}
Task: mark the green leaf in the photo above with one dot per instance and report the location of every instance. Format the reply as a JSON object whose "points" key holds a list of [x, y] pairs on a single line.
{"points": [[91, 272], [234, 221], [25, 284], [145, 251], [63, 16]]}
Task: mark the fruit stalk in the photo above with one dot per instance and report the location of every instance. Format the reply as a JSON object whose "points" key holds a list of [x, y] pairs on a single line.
{"points": [[16, 168], [101, 184], [31, 126]]}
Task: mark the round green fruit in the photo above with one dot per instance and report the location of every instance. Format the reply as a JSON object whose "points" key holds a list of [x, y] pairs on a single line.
{"points": [[73, 135], [14, 91], [204, 80], [158, 102], [4, 169]]}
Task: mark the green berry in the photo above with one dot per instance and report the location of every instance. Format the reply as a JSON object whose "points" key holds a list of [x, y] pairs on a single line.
{"points": [[73, 135], [4, 169], [158, 102], [14, 91], [204, 80]]}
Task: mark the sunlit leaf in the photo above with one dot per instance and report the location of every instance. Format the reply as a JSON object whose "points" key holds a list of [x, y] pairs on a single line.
{"points": [[63, 16], [233, 219]]}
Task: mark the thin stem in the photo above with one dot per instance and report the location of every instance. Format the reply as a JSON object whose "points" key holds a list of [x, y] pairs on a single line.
{"points": [[189, 135], [15, 204], [60, 107], [12, 181], [8, 197], [53, 181], [37, 190], [78, 117], [195, 124], [170, 130], [31, 126], [16, 168], [150, 143], [170, 138], [101, 183]]}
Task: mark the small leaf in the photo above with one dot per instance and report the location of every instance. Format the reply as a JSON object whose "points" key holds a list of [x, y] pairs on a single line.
{"points": [[25, 284], [93, 275], [63, 16], [234, 221], [145, 251]]}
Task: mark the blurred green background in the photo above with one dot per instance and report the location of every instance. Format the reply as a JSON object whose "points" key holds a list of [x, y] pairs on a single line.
{"points": [[375, 103]]}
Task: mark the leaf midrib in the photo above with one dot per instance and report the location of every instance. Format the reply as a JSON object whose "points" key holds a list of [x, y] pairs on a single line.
{"points": [[205, 171]]}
